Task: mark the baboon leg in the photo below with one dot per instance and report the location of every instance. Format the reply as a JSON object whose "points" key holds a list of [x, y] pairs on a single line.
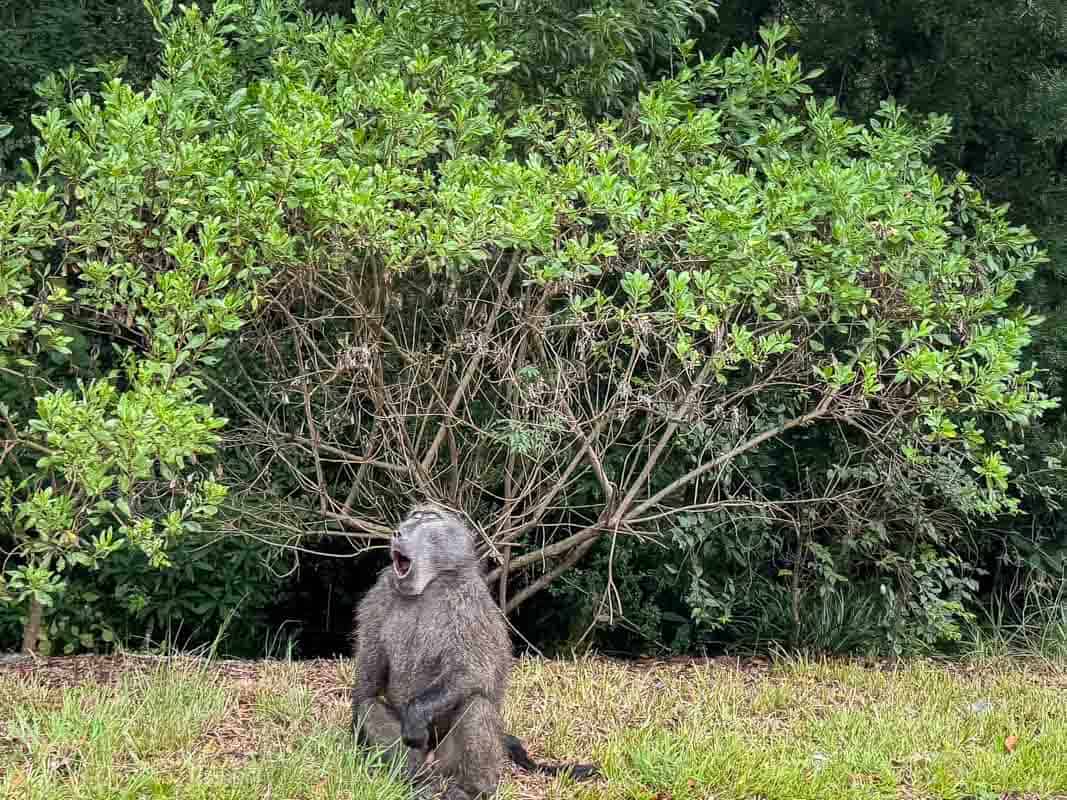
{"points": [[472, 756], [377, 729], [420, 774]]}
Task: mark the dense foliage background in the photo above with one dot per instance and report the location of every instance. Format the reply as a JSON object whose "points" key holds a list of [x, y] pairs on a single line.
{"points": [[536, 260]]}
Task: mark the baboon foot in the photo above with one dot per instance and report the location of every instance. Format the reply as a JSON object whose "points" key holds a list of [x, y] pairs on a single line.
{"points": [[454, 792]]}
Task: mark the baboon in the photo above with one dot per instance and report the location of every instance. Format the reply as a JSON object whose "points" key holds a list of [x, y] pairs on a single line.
{"points": [[433, 657]]}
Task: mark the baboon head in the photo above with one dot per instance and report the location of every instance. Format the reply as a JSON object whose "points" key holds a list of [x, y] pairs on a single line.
{"points": [[431, 541]]}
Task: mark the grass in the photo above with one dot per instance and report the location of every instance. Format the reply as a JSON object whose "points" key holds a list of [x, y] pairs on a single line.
{"points": [[141, 729], [1030, 619]]}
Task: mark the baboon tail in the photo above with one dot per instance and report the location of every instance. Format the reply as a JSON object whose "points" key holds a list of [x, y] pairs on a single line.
{"points": [[518, 754]]}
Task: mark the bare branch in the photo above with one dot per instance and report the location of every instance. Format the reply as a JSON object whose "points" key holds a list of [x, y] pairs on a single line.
{"points": [[537, 513], [505, 567], [668, 434], [551, 551], [472, 365], [312, 429], [366, 527], [730, 454], [546, 579]]}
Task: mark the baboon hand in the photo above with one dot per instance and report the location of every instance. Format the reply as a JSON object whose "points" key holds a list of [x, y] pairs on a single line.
{"points": [[414, 731]]}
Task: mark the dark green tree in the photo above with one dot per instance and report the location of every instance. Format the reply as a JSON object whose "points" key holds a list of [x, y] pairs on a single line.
{"points": [[66, 40]]}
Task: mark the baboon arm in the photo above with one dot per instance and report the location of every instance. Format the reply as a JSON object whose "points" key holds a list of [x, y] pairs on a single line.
{"points": [[372, 677], [372, 674], [372, 670], [441, 700]]}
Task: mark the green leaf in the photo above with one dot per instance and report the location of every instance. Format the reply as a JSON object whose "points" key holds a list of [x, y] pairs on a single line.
{"points": [[235, 100]]}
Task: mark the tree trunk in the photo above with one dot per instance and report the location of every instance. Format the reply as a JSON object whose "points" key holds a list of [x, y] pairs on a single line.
{"points": [[32, 632]]}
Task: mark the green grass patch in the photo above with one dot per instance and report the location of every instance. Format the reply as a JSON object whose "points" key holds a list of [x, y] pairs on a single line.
{"points": [[793, 729]]}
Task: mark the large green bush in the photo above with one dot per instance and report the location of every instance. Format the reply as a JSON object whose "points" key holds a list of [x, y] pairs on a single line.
{"points": [[111, 303], [729, 322], [995, 68]]}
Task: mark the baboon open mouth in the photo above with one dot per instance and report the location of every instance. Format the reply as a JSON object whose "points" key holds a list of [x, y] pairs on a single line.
{"points": [[401, 564]]}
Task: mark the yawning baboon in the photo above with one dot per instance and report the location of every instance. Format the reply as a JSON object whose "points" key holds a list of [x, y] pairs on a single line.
{"points": [[432, 661]]}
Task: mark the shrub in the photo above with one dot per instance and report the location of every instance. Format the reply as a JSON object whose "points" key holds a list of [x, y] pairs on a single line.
{"points": [[110, 306], [728, 304]]}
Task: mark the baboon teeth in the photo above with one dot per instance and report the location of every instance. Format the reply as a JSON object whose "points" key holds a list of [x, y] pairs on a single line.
{"points": [[401, 564]]}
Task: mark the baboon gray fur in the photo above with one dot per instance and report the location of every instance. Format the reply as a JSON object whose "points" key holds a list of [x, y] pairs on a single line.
{"points": [[433, 657]]}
